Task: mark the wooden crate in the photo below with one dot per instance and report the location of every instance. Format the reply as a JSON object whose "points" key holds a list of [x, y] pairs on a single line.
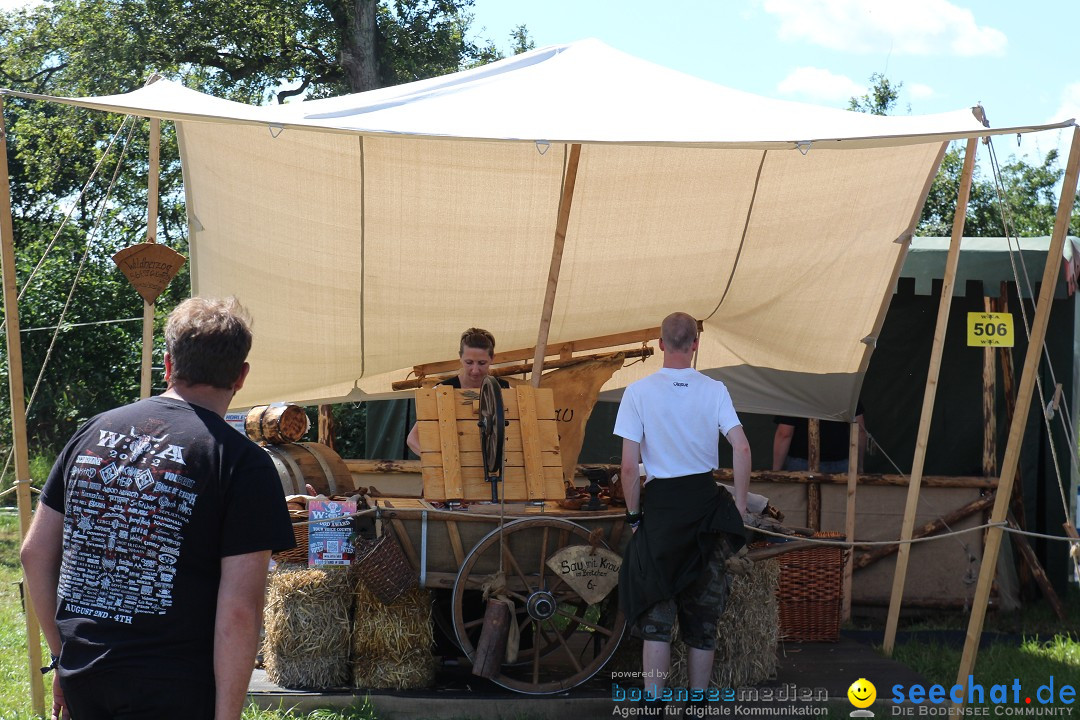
{"points": [[452, 464]]}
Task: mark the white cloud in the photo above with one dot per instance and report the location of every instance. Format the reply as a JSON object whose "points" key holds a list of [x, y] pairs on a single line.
{"points": [[912, 27], [918, 91], [819, 84]]}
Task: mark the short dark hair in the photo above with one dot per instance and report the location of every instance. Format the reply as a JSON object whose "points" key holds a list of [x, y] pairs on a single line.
{"points": [[208, 341], [679, 331], [479, 339]]}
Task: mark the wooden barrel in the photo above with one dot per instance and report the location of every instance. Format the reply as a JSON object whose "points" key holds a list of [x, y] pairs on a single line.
{"points": [[276, 423], [302, 464]]}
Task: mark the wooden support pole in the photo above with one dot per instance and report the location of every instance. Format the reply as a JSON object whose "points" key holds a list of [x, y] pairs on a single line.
{"points": [[923, 437], [813, 458], [567, 199], [989, 409], [1011, 458], [18, 407], [151, 236], [849, 517]]}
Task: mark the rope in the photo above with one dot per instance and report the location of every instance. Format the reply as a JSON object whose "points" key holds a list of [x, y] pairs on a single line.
{"points": [[1006, 218], [71, 211], [102, 205]]}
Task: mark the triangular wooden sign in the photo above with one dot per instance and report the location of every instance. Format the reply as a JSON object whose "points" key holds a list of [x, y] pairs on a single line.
{"points": [[591, 572], [149, 267]]}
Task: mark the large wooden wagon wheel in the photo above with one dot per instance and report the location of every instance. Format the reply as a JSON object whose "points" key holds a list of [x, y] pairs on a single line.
{"points": [[566, 639]]}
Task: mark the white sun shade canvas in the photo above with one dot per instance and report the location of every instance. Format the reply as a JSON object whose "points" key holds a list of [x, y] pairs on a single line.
{"points": [[366, 232]]}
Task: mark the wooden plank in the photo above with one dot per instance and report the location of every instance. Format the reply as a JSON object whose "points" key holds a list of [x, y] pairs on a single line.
{"points": [[561, 223], [466, 404], [448, 442], [1023, 405], [455, 541], [472, 475], [514, 458], [383, 466], [929, 394], [469, 435], [530, 444], [16, 392]]}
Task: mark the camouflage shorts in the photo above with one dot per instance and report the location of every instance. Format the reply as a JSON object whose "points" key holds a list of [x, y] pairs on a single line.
{"points": [[697, 608]]}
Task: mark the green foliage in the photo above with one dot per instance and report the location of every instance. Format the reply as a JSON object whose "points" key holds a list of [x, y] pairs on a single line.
{"points": [[880, 99], [520, 41], [1028, 198], [251, 51]]}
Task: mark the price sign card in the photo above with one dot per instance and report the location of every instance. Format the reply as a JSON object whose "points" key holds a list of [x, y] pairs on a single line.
{"points": [[990, 329], [330, 532]]}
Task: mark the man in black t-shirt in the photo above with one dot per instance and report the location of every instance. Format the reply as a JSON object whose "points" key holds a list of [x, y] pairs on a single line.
{"points": [[791, 443], [147, 557]]}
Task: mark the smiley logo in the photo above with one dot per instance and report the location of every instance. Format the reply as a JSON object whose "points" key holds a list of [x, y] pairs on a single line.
{"points": [[862, 693]]}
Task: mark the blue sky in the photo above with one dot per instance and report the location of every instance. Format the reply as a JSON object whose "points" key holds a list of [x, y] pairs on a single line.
{"points": [[1018, 58]]}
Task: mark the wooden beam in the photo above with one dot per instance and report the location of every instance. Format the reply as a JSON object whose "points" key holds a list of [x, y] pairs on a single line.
{"points": [[787, 476], [565, 202], [931, 528], [1011, 459], [523, 368], [18, 407], [923, 437], [849, 517], [1036, 568], [151, 236]]}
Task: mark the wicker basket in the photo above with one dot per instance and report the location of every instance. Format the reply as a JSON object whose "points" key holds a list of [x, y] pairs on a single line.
{"points": [[384, 569], [810, 593], [298, 554]]}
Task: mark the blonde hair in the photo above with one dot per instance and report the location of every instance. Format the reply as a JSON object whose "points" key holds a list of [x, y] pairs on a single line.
{"points": [[208, 341]]}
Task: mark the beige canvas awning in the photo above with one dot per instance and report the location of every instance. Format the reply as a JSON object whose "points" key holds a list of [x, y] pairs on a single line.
{"points": [[365, 232]]}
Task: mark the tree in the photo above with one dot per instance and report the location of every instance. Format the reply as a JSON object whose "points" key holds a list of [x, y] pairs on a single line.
{"points": [[1024, 206], [252, 51], [880, 99]]}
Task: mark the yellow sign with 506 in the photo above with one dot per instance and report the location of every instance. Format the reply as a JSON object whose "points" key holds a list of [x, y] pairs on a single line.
{"points": [[990, 329]]}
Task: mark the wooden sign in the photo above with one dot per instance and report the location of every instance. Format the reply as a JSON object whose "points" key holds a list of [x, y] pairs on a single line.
{"points": [[591, 572], [990, 329], [149, 267]]}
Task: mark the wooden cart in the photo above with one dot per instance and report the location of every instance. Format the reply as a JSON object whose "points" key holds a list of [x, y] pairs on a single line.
{"points": [[557, 566]]}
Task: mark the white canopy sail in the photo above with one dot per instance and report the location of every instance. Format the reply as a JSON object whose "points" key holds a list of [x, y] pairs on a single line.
{"points": [[365, 232]]}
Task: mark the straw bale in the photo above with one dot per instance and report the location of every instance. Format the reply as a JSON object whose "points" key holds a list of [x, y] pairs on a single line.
{"points": [[747, 633], [392, 644], [306, 643]]}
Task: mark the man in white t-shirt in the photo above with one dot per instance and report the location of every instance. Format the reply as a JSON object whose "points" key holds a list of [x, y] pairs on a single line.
{"points": [[685, 526]]}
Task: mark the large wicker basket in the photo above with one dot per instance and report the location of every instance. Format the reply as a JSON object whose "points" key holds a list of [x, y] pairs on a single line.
{"points": [[810, 592], [384, 569], [298, 554]]}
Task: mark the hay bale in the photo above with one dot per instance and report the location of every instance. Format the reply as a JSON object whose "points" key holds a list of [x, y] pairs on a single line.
{"points": [[306, 643], [391, 644], [747, 633]]}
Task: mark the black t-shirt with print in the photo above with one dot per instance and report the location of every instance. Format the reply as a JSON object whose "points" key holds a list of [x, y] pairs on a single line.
{"points": [[154, 495]]}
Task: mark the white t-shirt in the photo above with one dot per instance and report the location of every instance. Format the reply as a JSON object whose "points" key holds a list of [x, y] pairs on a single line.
{"points": [[677, 417]]}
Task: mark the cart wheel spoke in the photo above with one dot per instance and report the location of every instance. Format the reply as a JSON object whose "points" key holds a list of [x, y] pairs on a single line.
{"points": [[584, 623], [569, 652]]}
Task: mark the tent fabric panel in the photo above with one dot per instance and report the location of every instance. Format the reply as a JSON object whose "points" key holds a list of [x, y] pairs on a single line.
{"points": [[456, 235], [275, 222], [818, 217], [650, 229]]}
